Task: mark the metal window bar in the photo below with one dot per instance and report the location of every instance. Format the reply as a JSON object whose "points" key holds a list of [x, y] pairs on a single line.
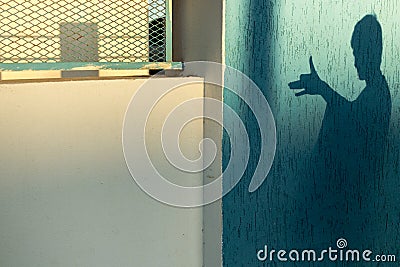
{"points": [[97, 34]]}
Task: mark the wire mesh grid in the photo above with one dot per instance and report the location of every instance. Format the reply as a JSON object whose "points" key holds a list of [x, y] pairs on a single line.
{"points": [[48, 31]]}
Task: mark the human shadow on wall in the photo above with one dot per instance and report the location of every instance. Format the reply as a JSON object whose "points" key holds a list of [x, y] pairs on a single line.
{"points": [[346, 168]]}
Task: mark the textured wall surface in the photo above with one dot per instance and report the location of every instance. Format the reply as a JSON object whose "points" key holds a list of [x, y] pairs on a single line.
{"points": [[271, 42]]}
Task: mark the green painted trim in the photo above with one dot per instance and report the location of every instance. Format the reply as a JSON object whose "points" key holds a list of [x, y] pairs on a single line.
{"points": [[168, 30], [90, 66]]}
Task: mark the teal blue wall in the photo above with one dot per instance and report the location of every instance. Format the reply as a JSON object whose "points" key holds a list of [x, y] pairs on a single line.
{"points": [[271, 42]]}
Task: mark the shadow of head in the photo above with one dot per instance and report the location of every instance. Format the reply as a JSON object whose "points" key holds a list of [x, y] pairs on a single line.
{"points": [[367, 47]]}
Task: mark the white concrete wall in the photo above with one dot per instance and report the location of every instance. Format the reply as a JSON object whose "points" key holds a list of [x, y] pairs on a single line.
{"points": [[198, 36], [66, 196]]}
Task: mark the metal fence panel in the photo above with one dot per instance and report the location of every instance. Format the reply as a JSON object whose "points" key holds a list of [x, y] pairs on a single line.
{"points": [[104, 31]]}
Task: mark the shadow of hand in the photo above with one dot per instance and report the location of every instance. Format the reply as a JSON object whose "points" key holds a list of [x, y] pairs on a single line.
{"points": [[311, 83]]}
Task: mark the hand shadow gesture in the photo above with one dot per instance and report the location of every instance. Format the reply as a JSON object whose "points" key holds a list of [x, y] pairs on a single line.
{"points": [[311, 83]]}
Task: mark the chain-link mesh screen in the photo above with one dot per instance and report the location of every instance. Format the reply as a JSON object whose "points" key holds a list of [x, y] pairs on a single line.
{"points": [[44, 31]]}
